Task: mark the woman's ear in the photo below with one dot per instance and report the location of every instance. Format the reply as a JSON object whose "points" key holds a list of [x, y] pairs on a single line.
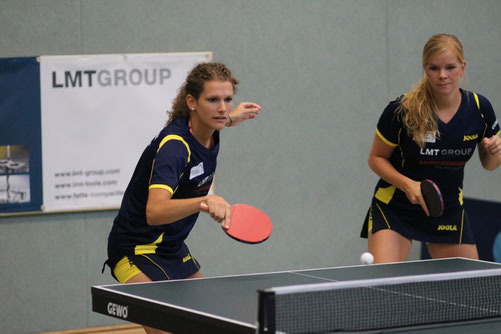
{"points": [[191, 102]]}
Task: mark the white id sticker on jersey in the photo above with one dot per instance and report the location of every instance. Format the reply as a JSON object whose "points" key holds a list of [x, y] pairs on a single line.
{"points": [[430, 137], [197, 170]]}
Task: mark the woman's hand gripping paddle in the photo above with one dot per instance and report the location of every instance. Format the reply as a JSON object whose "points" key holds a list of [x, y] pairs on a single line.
{"points": [[432, 197], [248, 224]]}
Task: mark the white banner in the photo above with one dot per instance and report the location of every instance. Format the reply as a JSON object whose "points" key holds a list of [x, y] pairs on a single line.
{"points": [[98, 114]]}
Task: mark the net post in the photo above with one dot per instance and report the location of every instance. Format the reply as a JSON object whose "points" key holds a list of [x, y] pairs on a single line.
{"points": [[266, 312]]}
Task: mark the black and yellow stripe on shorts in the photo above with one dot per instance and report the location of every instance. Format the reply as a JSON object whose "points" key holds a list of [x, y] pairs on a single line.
{"points": [[369, 227], [125, 269]]}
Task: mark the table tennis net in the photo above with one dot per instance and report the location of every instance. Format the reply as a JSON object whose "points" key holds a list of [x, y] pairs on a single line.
{"points": [[365, 305]]}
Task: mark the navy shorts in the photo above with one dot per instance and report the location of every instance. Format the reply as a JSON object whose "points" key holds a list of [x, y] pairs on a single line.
{"points": [[453, 226], [177, 265]]}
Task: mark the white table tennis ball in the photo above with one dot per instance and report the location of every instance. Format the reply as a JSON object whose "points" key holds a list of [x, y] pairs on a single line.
{"points": [[366, 258]]}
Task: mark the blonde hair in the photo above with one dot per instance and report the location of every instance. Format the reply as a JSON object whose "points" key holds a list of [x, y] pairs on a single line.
{"points": [[418, 106]]}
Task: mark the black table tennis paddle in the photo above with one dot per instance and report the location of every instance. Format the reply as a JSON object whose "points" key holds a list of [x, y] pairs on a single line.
{"points": [[432, 197]]}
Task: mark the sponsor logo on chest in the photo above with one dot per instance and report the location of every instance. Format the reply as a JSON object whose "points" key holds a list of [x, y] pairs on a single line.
{"points": [[447, 228], [435, 152], [470, 137]]}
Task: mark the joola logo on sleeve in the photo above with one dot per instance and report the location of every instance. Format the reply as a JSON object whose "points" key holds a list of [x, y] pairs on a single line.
{"points": [[470, 137], [116, 310], [447, 228]]}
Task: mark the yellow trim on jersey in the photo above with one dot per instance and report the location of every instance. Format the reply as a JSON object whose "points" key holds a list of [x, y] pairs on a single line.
{"points": [[462, 223], [165, 140], [175, 137], [460, 196], [385, 140], [149, 248], [385, 194], [384, 217], [401, 151], [161, 186], [151, 172], [125, 270], [478, 102], [485, 129], [481, 114]]}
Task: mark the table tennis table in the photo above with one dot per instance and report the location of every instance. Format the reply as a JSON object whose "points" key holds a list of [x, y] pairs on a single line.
{"points": [[229, 304]]}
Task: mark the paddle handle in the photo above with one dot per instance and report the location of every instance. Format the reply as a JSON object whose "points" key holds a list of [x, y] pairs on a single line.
{"points": [[205, 207]]}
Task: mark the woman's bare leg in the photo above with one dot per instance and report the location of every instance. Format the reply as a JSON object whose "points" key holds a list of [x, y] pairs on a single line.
{"points": [[389, 246]]}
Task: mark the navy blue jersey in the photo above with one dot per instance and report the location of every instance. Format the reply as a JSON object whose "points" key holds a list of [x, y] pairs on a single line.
{"points": [[444, 156], [174, 161]]}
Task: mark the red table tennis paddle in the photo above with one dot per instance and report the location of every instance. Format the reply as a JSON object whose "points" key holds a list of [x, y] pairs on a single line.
{"points": [[248, 224], [432, 197]]}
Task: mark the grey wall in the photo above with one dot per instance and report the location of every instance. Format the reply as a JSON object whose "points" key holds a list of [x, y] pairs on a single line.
{"points": [[323, 72]]}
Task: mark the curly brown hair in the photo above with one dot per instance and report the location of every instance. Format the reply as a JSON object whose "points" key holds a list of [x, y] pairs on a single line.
{"points": [[194, 86], [418, 107]]}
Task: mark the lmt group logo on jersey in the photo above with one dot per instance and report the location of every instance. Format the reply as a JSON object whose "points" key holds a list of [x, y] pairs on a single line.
{"points": [[110, 78]]}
